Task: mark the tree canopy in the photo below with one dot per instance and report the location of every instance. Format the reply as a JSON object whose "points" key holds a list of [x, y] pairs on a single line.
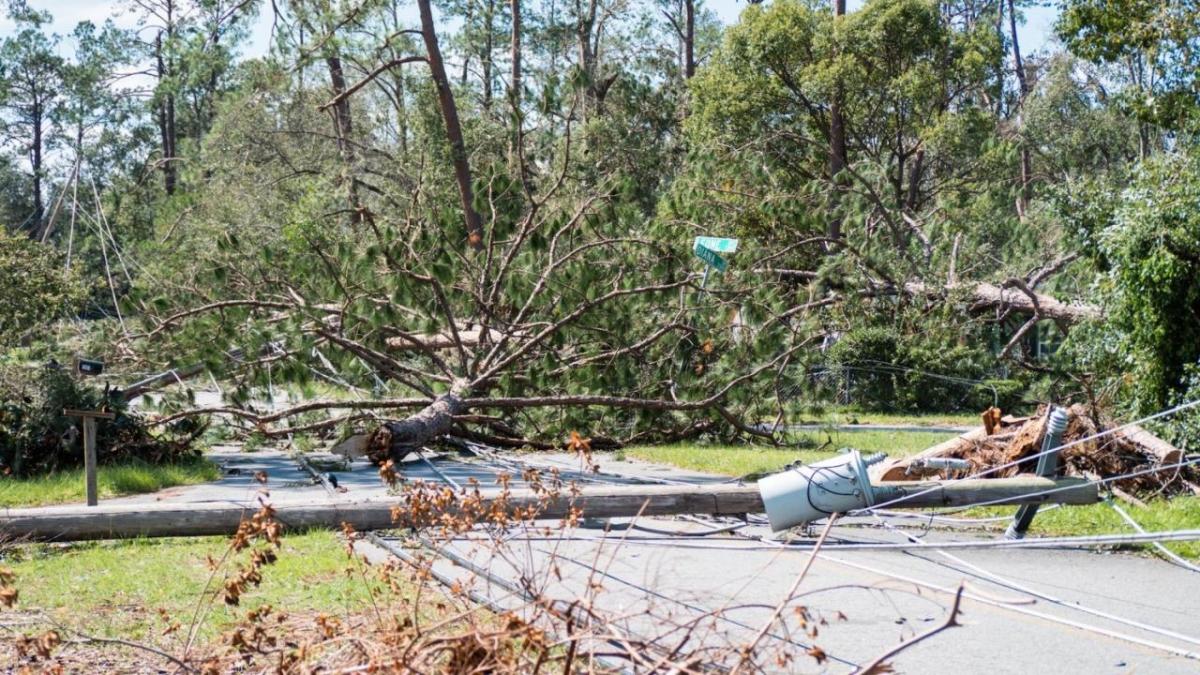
{"points": [[479, 215]]}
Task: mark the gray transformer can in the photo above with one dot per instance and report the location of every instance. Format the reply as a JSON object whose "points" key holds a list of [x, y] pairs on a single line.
{"points": [[803, 493]]}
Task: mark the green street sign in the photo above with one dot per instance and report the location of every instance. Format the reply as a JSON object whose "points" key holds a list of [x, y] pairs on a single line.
{"points": [[718, 244], [709, 256]]}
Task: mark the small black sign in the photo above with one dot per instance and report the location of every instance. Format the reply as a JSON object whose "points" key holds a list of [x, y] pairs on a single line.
{"points": [[89, 367]]}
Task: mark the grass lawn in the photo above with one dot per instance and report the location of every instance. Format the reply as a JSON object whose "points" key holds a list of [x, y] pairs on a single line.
{"points": [[845, 416], [1177, 513], [113, 481], [115, 589], [818, 445]]}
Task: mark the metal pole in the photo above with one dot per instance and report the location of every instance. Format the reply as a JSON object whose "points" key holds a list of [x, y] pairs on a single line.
{"points": [[1047, 466]]}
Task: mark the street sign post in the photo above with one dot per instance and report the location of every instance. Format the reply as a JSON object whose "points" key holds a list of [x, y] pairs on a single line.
{"points": [[89, 418], [717, 244], [708, 250], [710, 257]]}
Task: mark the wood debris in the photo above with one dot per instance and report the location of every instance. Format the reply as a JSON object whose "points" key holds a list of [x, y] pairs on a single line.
{"points": [[1005, 440]]}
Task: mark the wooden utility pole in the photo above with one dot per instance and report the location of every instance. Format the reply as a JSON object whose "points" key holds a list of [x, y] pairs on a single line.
{"points": [[89, 418], [120, 521]]}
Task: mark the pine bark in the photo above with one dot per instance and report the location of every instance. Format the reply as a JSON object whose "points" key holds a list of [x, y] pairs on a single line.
{"points": [[837, 143], [514, 91], [166, 119], [458, 152], [1023, 84], [394, 440], [39, 207], [689, 39]]}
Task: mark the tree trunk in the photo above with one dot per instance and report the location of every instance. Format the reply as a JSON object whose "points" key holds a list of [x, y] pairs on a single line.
{"points": [[343, 127], [343, 123], [394, 440], [837, 144], [35, 162], [585, 22], [981, 297], [458, 151], [172, 169], [468, 14], [401, 108], [486, 56], [689, 39], [398, 86], [166, 120], [172, 136], [1023, 84], [514, 90], [914, 181], [985, 296]]}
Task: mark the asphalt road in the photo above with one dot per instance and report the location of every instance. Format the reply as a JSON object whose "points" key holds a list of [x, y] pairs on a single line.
{"points": [[1024, 611]]}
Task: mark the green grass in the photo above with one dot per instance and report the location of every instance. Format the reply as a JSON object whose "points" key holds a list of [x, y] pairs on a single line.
{"points": [[113, 481], [847, 416], [1177, 513], [116, 588], [745, 460]]}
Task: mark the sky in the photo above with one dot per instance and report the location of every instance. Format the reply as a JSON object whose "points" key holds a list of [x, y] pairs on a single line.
{"points": [[1034, 35]]}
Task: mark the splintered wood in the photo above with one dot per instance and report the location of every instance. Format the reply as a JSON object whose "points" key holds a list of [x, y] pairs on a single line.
{"points": [[1005, 440]]}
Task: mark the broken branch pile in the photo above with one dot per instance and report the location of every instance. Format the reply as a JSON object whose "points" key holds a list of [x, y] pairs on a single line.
{"points": [[1015, 442]]}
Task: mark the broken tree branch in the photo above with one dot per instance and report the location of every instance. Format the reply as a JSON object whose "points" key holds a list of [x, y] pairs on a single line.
{"points": [[371, 76]]}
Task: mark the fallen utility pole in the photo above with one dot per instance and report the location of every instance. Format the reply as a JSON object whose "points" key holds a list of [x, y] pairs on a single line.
{"points": [[178, 375], [71, 523]]}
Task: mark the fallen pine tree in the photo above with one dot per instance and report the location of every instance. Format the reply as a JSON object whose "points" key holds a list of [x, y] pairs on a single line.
{"points": [[557, 301]]}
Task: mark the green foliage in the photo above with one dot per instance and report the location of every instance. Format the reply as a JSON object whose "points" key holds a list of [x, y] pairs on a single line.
{"points": [[1152, 247], [1183, 429], [880, 369], [1154, 40], [1072, 129], [35, 436], [760, 111], [316, 246], [1146, 240], [35, 290], [113, 480], [813, 446], [125, 579]]}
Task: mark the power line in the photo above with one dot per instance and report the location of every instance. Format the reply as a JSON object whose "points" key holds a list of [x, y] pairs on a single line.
{"points": [[1168, 553]]}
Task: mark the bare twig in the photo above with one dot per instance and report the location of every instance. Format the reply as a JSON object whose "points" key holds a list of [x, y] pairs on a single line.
{"points": [[748, 650], [874, 667]]}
